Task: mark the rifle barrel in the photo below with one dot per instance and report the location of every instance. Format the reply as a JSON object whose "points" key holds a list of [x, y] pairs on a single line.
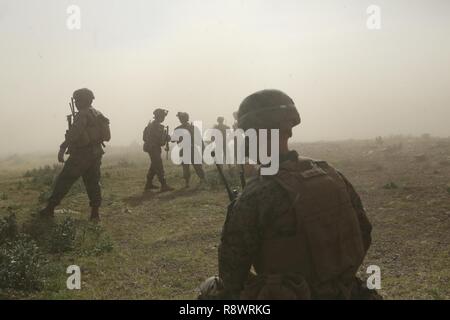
{"points": [[224, 180]]}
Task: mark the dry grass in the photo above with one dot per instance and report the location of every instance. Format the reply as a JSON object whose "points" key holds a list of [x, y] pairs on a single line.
{"points": [[164, 245]]}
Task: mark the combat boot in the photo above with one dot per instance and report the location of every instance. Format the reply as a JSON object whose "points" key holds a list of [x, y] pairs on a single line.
{"points": [[95, 215], [165, 188], [47, 212], [202, 183], [150, 186]]}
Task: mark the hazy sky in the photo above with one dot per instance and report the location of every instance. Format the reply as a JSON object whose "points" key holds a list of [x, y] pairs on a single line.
{"points": [[205, 56]]}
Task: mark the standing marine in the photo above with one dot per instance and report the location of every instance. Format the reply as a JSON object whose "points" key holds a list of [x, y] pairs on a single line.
{"points": [[156, 136], [222, 127], [83, 142], [184, 120], [304, 230]]}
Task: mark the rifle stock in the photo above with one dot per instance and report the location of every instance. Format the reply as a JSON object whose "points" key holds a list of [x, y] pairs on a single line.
{"points": [[232, 194]]}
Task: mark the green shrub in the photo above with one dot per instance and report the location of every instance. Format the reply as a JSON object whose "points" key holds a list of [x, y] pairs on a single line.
{"points": [[62, 237], [43, 196], [21, 264], [94, 241], [104, 245], [8, 228]]}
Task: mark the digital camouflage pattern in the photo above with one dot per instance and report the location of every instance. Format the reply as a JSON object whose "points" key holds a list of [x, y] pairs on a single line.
{"points": [[262, 207], [262, 204]]}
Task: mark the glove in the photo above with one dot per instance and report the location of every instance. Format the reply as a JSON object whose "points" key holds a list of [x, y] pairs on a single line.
{"points": [[61, 155]]}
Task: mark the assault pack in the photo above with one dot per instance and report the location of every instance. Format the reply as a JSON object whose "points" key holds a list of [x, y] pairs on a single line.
{"points": [[98, 128], [321, 259]]}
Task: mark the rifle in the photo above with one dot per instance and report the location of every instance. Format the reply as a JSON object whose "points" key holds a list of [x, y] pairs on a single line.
{"points": [[232, 194], [70, 117], [167, 148]]}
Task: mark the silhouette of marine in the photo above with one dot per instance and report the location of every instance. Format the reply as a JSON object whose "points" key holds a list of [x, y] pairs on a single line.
{"points": [[83, 142], [184, 120], [304, 230], [222, 127], [155, 137]]}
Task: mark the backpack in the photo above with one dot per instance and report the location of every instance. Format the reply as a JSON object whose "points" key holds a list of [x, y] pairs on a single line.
{"points": [[327, 247], [98, 128], [104, 128], [146, 138]]}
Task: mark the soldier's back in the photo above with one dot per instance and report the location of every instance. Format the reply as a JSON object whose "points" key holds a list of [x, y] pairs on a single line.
{"points": [[300, 221]]}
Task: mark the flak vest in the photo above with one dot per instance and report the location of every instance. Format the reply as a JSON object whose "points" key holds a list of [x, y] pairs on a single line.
{"points": [[327, 248]]}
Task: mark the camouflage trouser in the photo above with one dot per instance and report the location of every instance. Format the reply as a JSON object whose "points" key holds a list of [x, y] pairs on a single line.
{"points": [[198, 170], [86, 166], [156, 166]]}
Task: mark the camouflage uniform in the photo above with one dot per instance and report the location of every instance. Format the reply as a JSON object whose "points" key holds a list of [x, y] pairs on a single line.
{"points": [[155, 137], [84, 145], [263, 203], [303, 231], [186, 167]]}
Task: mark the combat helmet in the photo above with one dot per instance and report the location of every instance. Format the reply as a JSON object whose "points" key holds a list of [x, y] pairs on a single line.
{"points": [[160, 112], [267, 109], [84, 94], [183, 116], [220, 119], [211, 289]]}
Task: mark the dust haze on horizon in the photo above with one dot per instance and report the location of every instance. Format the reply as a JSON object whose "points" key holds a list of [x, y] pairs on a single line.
{"points": [[204, 57]]}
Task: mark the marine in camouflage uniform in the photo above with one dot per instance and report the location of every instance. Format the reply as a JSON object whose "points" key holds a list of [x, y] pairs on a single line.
{"points": [[155, 137], [222, 127], [83, 143], [304, 231], [184, 120]]}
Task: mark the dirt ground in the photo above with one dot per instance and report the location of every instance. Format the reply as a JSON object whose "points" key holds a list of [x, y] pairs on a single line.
{"points": [[161, 246]]}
